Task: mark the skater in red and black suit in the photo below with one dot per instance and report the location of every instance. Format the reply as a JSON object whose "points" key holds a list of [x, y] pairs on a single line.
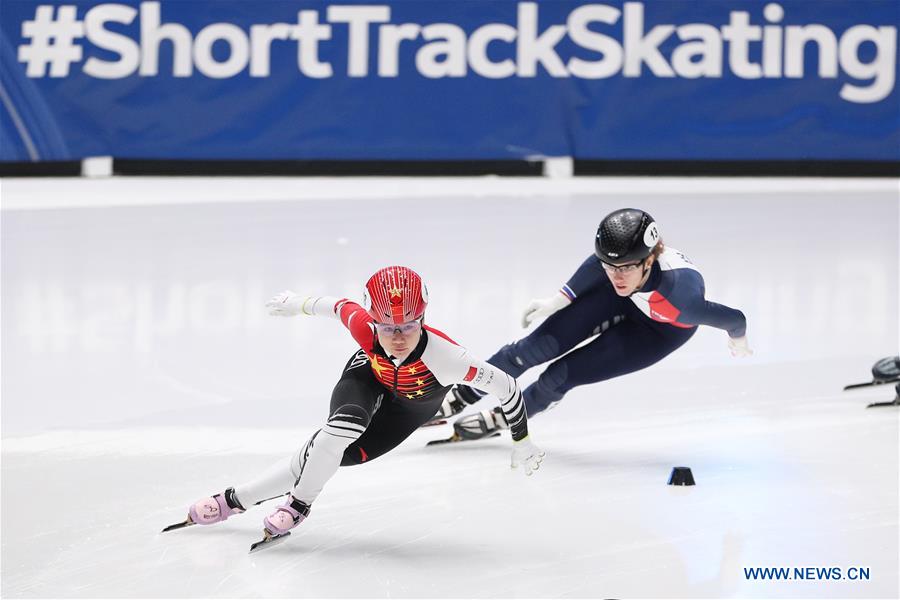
{"points": [[643, 298], [390, 387]]}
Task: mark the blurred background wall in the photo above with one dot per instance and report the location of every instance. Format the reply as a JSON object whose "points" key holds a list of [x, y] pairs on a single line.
{"points": [[674, 86]]}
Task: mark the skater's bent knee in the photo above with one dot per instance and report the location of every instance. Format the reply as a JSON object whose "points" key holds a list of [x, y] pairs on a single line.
{"points": [[348, 420], [531, 351]]}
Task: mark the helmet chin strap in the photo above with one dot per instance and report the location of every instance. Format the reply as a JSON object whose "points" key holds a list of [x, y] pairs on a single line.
{"points": [[645, 275]]}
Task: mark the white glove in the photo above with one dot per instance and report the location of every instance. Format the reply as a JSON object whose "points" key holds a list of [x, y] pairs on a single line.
{"points": [[286, 304], [528, 455], [739, 347], [544, 307]]}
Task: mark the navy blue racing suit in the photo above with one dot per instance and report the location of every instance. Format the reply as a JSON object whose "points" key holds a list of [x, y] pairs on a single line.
{"points": [[635, 331]]}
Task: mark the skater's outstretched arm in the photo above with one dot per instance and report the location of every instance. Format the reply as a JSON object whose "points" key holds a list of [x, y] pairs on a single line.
{"points": [[453, 364], [352, 315], [291, 304], [588, 276], [685, 293]]}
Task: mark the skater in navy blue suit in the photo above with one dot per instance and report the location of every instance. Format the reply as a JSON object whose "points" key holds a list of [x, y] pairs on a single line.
{"points": [[643, 298]]}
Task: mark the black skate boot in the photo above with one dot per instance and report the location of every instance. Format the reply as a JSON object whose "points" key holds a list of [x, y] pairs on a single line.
{"points": [[485, 423], [454, 403]]}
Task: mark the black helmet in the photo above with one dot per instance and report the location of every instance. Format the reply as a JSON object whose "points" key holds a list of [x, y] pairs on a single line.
{"points": [[625, 236]]}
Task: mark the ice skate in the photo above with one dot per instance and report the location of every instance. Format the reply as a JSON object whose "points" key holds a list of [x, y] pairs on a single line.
{"points": [[207, 511], [277, 526], [485, 423], [452, 405]]}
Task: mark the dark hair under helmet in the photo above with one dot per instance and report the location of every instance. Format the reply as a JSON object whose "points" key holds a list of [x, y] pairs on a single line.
{"points": [[627, 235]]}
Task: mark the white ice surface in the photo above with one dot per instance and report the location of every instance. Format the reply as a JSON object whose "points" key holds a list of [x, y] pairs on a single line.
{"points": [[140, 372]]}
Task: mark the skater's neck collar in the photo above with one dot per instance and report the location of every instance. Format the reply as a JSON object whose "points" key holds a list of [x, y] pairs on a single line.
{"points": [[415, 355]]}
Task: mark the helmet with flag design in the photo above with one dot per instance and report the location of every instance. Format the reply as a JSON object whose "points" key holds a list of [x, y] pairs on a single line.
{"points": [[395, 295]]}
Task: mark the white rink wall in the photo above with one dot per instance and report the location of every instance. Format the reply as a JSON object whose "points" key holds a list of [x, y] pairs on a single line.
{"points": [[139, 301]]}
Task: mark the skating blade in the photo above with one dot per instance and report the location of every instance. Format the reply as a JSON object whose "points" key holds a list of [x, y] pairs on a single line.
{"points": [[456, 438], [174, 526], [268, 541]]}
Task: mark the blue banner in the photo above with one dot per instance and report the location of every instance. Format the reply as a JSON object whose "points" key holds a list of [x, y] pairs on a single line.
{"points": [[473, 79]]}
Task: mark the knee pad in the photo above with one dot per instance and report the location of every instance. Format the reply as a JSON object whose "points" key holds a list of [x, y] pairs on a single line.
{"points": [[518, 357], [348, 421]]}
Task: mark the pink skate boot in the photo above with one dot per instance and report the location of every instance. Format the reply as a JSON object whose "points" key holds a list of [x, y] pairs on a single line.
{"points": [[286, 517], [215, 509], [279, 523], [210, 510]]}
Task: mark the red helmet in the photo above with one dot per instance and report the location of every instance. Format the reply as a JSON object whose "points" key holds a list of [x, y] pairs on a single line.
{"points": [[395, 295]]}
